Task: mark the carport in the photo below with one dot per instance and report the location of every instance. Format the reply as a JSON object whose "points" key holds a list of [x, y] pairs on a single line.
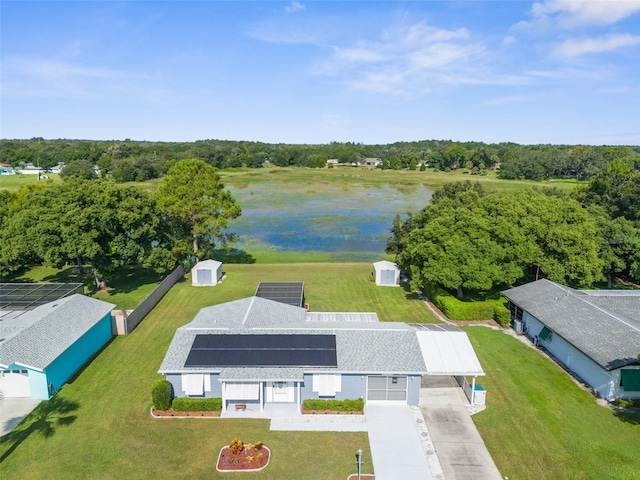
{"points": [[447, 351]]}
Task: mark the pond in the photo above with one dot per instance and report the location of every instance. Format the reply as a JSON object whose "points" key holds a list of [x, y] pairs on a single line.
{"points": [[287, 217]]}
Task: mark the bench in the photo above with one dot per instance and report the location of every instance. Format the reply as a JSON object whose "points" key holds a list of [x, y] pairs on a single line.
{"points": [[241, 406]]}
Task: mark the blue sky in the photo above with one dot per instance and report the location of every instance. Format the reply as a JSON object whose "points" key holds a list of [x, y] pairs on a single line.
{"points": [[550, 71]]}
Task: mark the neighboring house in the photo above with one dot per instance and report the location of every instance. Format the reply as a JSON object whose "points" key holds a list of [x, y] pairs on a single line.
{"points": [[332, 161], [256, 351], [372, 162], [206, 273], [42, 348], [595, 334], [6, 169], [386, 273]]}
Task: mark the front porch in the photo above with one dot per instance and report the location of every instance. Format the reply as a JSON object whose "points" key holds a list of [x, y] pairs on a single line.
{"points": [[268, 410]]}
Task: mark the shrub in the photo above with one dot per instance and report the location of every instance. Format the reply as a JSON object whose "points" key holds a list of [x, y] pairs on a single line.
{"points": [[197, 404], [161, 394], [346, 405], [458, 310], [236, 446], [627, 402], [502, 315]]}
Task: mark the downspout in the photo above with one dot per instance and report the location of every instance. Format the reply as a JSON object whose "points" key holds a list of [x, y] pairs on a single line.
{"points": [[261, 397], [473, 391], [224, 398]]}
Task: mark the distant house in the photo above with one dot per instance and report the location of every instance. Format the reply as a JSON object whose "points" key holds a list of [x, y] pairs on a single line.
{"points": [[387, 273], [255, 352], [594, 334], [332, 161], [206, 273], [6, 169], [372, 162], [42, 348]]}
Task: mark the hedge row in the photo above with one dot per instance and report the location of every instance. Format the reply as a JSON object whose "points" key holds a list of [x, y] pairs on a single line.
{"points": [[346, 405], [476, 310], [197, 404]]}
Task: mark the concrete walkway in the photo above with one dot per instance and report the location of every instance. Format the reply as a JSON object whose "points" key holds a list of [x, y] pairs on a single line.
{"points": [[13, 411], [460, 449], [395, 443]]}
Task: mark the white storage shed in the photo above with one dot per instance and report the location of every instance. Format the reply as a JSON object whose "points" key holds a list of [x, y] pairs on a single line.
{"points": [[387, 273], [206, 273]]}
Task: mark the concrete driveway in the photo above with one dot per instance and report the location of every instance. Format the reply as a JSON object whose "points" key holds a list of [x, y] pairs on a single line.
{"points": [[13, 411], [460, 449], [395, 444]]}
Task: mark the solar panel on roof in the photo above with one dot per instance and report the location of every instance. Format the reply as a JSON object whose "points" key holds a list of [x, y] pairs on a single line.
{"points": [[218, 350], [290, 293]]}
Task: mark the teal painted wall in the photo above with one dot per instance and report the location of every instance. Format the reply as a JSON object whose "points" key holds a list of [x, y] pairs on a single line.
{"points": [[74, 357]]}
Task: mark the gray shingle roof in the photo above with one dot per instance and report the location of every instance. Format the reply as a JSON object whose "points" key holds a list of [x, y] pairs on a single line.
{"points": [[362, 346], [605, 327], [50, 329]]}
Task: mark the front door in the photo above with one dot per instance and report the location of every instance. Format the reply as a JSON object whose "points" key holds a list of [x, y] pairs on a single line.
{"points": [[282, 392]]}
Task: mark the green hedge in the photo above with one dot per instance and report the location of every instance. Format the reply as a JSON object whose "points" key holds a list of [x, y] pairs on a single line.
{"points": [[197, 404], [502, 315], [471, 310], [346, 405], [161, 394]]}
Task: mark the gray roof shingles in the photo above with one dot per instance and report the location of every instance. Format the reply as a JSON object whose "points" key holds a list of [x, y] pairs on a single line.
{"points": [[51, 329], [604, 327], [362, 346]]}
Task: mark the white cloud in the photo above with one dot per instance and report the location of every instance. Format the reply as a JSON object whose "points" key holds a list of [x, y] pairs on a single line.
{"points": [[581, 46], [403, 59], [568, 14], [294, 7]]}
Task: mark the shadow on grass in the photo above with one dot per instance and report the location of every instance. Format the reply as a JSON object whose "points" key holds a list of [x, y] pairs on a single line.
{"points": [[234, 255], [409, 293], [43, 421], [628, 416]]}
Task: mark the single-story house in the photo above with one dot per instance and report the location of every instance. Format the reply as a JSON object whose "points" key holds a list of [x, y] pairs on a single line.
{"points": [[254, 352], [386, 273], [206, 273], [372, 162], [6, 169], [42, 348], [594, 334]]}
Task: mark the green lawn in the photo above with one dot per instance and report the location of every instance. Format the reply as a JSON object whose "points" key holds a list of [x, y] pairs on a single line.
{"points": [[110, 433], [540, 425]]}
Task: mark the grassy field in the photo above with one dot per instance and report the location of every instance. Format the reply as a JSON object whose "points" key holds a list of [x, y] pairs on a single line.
{"points": [[540, 425], [349, 177], [15, 182]]}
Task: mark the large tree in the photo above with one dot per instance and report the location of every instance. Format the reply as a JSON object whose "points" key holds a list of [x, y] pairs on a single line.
{"points": [[85, 222], [194, 200], [467, 240]]}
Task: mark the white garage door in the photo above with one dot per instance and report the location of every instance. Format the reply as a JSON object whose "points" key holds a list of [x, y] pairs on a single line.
{"points": [[388, 277], [15, 383], [387, 389]]}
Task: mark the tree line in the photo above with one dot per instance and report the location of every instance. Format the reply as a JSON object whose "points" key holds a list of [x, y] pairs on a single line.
{"points": [[466, 239], [106, 225], [128, 161]]}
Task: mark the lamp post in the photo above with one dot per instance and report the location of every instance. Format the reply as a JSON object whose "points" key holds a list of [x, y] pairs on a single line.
{"points": [[359, 462]]}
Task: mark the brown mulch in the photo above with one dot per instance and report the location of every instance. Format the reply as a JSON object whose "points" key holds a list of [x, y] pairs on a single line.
{"points": [[247, 460]]}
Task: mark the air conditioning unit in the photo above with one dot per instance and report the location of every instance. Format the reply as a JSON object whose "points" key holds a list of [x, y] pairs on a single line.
{"points": [[517, 326]]}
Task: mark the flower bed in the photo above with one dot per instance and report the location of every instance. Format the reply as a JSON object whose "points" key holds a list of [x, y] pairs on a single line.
{"points": [[251, 459]]}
